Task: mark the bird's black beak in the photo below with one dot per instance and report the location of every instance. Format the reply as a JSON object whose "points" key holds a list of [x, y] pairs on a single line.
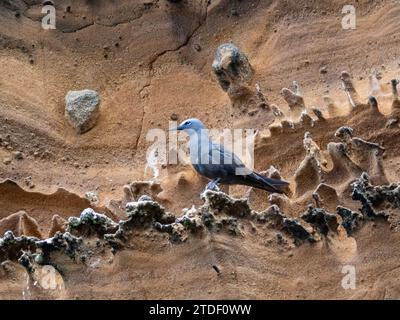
{"points": [[178, 128]]}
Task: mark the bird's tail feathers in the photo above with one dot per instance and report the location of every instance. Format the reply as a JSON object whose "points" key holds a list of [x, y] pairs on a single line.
{"points": [[272, 185]]}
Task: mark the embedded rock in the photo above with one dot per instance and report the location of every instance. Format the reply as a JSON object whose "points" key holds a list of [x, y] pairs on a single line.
{"points": [[231, 67], [82, 109]]}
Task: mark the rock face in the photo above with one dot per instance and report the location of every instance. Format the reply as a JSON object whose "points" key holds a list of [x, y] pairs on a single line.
{"points": [[231, 66], [235, 76], [82, 109], [20, 223], [294, 99]]}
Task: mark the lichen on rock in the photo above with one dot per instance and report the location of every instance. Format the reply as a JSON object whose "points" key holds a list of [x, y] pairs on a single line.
{"points": [[371, 196], [297, 231], [351, 221], [378, 201], [91, 222], [143, 213], [272, 216], [220, 211], [321, 220], [144, 210], [61, 242], [219, 202], [11, 246], [189, 222]]}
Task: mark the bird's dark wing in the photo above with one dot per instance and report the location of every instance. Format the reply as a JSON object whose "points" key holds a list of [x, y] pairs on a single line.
{"points": [[224, 164], [230, 161], [218, 162]]}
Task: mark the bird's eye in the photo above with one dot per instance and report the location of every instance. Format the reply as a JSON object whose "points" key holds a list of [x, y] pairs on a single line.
{"points": [[188, 123]]}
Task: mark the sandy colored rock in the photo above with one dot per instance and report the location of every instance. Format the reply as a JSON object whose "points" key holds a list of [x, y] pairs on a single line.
{"points": [[20, 223], [151, 59]]}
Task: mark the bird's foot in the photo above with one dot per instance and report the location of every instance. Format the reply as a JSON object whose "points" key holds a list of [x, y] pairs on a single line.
{"points": [[212, 185]]}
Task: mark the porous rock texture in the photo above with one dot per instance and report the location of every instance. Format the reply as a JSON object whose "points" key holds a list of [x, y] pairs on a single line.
{"points": [[326, 117]]}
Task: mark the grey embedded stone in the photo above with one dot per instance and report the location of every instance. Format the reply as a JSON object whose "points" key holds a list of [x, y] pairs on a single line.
{"points": [[82, 109], [7, 161], [231, 66]]}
